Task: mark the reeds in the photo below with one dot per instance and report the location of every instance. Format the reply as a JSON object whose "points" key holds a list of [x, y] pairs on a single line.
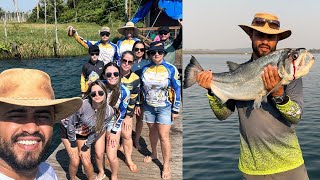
{"points": [[33, 42]]}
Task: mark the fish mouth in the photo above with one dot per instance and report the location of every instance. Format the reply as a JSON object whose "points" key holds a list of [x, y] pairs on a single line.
{"points": [[302, 64]]}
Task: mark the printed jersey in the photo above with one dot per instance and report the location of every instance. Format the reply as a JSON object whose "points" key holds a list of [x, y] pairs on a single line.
{"points": [[83, 122], [156, 81], [268, 139], [91, 71], [125, 45], [121, 105], [108, 51], [132, 82]]}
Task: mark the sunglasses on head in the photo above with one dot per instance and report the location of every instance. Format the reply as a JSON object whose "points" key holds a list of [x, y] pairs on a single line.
{"points": [[274, 24], [105, 33], [152, 53], [94, 93], [163, 33], [126, 61], [109, 74], [92, 54], [141, 49]]}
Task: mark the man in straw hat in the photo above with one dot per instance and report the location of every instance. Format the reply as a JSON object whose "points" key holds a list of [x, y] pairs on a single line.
{"points": [[28, 111], [130, 32], [269, 147], [108, 50]]}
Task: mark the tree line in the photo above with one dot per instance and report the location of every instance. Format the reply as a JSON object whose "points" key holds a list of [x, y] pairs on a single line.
{"points": [[98, 11]]}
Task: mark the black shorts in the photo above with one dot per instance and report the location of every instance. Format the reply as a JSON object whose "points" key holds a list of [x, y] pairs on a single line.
{"points": [[64, 134]]}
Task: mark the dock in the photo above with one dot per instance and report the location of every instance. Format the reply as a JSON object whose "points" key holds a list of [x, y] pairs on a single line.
{"points": [[59, 159]]}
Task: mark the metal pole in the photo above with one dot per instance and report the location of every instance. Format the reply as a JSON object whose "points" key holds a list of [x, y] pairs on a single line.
{"points": [[126, 9], [154, 23]]}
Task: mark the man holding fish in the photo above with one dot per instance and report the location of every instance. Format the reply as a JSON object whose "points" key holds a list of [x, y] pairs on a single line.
{"points": [[269, 147]]}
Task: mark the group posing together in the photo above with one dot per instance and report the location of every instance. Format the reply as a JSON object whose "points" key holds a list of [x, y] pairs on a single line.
{"points": [[117, 83]]}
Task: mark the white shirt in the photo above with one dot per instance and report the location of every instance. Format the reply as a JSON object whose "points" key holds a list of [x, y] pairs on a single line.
{"points": [[45, 172]]}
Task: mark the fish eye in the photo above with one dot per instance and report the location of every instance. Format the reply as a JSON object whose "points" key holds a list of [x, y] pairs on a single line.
{"points": [[295, 56]]}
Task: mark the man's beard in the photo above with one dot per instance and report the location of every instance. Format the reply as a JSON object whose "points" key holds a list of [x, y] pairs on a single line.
{"points": [[28, 161], [256, 50]]}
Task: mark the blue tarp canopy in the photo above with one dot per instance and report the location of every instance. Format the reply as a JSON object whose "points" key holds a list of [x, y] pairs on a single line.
{"points": [[172, 8]]}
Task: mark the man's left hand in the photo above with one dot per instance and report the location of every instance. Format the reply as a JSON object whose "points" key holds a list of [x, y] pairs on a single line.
{"points": [[270, 79]]}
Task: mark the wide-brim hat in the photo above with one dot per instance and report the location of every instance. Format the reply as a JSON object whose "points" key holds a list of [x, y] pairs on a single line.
{"points": [[32, 87], [282, 34], [129, 24]]}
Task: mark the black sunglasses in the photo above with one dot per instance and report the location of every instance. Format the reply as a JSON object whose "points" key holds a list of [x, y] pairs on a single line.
{"points": [[94, 93], [92, 54], [126, 61], [163, 33], [274, 24], [109, 74], [141, 49], [104, 33], [152, 53]]}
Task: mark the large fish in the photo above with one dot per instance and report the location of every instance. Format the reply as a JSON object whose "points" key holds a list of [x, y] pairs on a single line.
{"points": [[244, 82]]}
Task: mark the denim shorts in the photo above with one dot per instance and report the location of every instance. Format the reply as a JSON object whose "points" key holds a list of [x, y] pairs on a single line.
{"points": [[160, 115]]}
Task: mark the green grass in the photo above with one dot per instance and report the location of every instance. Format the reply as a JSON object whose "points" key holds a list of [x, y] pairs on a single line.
{"points": [[32, 41]]}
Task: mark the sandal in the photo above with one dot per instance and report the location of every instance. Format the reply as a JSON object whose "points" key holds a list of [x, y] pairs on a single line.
{"points": [[166, 175], [133, 167], [104, 176]]}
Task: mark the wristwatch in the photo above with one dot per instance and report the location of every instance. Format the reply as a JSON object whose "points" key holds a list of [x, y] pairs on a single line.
{"points": [[278, 99]]}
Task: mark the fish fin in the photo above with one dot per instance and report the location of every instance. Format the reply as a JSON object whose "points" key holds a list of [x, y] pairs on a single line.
{"points": [[257, 102], [264, 98], [232, 66], [191, 72]]}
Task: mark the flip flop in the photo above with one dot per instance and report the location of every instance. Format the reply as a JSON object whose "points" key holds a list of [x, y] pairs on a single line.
{"points": [[133, 167], [104, 176], [166, 175]]}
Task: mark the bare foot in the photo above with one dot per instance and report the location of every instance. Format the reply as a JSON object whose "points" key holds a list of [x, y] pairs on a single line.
{"points": [[150, 158]]}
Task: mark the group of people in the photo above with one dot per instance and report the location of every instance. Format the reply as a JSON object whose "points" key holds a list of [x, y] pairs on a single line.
{"points": [[117, 83]]}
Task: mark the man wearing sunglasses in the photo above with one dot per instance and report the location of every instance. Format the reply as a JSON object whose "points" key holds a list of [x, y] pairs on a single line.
{"points": [[269, 147], [170, 45], [108, 50], [91, 70]]}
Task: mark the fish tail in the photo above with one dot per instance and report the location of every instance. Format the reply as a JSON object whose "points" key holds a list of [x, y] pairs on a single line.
{"points": [[191, 73]]}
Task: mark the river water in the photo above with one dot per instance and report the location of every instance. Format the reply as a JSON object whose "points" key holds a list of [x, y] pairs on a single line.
{"points": [[211, 147]]}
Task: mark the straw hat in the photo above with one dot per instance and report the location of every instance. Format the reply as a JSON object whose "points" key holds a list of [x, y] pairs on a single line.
{"points": [[129, 24], [282, 34], [32, 87]]}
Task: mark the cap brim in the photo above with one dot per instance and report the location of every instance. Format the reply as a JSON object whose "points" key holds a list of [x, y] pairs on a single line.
{"points": [[283, 34], [136, 31], [62, 107]]}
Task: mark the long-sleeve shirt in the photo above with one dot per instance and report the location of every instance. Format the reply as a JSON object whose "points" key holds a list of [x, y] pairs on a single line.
{"points": [[108, 51], [121, 105], [268, 140], [156, 83], [83, 122], [132, 82], [125, 44], [90, 69]]}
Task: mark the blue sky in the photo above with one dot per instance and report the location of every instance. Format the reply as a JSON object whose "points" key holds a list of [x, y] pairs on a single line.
{"points": [[24, 5], [213, 24]]}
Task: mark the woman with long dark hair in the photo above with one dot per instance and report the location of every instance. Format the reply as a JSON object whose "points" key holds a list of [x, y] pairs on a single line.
{"points": [[84, 127]]}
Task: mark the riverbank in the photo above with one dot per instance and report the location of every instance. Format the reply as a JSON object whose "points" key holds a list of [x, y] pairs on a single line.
{"points": [[29, 40]]}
